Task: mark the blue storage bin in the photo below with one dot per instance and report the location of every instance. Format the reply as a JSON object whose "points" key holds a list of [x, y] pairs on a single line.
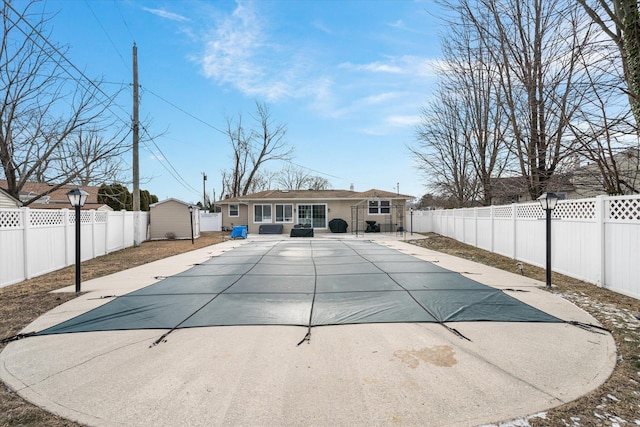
{"points": [[239, 231]]}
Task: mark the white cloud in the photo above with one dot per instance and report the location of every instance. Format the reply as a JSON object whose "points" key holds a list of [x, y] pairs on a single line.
{"points": [[241, 53], [403, 121], [156, 155], [390, 125], [322, 27], [380, 98], [406, 64], [166, 14]]}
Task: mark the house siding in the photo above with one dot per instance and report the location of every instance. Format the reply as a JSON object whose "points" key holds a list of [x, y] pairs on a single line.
{"points": [[232, 221], [7, 202]]}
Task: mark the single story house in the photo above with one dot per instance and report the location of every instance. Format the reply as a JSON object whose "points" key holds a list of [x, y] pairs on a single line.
{"points": [[377, 210], [172, 219]]}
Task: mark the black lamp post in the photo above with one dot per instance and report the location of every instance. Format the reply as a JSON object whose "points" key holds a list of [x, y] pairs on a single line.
{"points": [[191, 220], [77, 197], [548, 202], [411, 211]]}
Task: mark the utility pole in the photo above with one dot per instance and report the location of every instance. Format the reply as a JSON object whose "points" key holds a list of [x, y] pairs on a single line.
{"points": [[136, 139], [204, 191]]}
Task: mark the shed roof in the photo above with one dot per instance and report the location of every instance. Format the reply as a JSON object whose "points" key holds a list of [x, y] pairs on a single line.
{"points": [[171, 199]]}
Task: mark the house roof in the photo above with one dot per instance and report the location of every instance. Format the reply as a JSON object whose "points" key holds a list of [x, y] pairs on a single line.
{"points": [[518, 185], [314, 195], [57, 199]]}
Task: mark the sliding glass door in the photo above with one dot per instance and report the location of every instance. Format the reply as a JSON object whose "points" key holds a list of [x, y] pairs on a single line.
{"points": [[315, 215]]}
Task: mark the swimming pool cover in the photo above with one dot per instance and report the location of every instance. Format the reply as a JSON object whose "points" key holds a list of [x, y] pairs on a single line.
{"points": [[306, 283]]}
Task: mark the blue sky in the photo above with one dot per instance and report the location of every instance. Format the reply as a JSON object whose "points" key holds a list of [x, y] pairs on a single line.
{"points": [[348, 78]]}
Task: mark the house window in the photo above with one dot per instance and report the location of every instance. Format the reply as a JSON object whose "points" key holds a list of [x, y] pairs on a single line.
{"points": [[379, 207], [315, 215], [262, 213], [234, 210], [284, 213]]}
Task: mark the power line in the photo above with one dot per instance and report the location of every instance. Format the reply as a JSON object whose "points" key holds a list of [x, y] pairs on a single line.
{"points": [[225, 133], [124, 21], [56, 50], [173, 170], [107, 34], [184, 111], [174, 173], [108, 106]]}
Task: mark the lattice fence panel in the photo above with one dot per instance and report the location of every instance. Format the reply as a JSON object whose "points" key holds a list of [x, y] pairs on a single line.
{"points": [[101, 216], [46, 217], [581, 209], [530, 211], [85, 217], [503, 211], [10, 219], [624, 209]]}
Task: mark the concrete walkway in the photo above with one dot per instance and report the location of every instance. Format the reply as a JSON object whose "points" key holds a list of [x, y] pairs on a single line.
{"points": [[374, 374]]}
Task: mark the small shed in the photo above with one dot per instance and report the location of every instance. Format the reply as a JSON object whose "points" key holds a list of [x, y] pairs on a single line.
{"points": [[171, 219], [7, 201]]}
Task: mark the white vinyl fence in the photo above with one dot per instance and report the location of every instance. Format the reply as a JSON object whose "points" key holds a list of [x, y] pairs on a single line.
{"points": [[596, 240], [210, 221], [37, 241]]}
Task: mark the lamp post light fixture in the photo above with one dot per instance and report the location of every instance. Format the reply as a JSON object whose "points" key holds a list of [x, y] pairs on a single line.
{"points": [[548, 202], [411, 211], [77, 197], [191, 220]]}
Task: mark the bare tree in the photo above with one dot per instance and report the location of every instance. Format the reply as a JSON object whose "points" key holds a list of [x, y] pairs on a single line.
{"points": [[441, 151], [99, 159], [232, 180], [469, 72], [604, 130], [293, 178], [44, 105], [537, 46], [318, 182], [252, 149], [620, 21]]}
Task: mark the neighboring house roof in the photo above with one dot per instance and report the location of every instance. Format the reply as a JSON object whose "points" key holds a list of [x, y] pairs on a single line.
{"points": [[504, 190], [588, 178], [581, 181], [314, 195], [57, 199]]}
